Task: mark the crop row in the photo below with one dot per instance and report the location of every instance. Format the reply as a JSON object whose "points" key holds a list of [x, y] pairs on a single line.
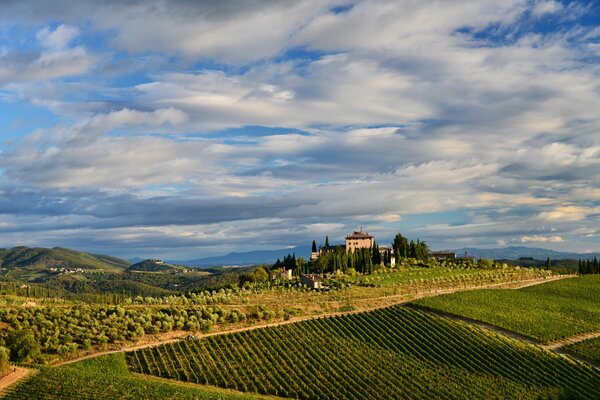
{"points": [[392, 353]]}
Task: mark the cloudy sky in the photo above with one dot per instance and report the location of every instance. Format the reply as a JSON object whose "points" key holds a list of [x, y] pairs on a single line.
{"points": [[181, 129]]}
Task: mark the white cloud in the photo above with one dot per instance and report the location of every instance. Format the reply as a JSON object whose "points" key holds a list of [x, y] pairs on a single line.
{"points": [[541, 239], [56, 59], [59, 38], [546, 7], [565, 213]]}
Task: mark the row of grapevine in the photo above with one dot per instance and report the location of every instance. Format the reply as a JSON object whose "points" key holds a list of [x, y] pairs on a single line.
{"points": [[391, 353]]}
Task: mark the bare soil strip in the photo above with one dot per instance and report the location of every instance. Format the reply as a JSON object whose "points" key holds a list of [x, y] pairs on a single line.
{"points": [[571, 340], [14, 376], [387, 302]]}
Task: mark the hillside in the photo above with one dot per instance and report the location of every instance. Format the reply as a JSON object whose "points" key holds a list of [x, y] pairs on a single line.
{"points": [[26, 262], [153, 266]]}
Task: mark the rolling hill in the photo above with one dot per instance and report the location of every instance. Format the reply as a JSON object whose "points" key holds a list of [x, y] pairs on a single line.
{"points": [[152, 265], [26, 262]]}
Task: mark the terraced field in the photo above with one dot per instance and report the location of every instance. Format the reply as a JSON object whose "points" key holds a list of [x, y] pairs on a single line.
{"points": [[546, 312], [396, 352]]}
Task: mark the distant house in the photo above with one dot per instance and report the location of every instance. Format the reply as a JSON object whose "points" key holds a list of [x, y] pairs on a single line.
{"points": [[313, 281], [383, 250], [443, 255], [359, 240], [283, 274]]}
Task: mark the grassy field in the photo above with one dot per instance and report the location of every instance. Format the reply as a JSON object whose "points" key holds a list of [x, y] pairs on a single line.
{"points": [[396, 352], [107, 378], [588, 349], [547, 312]]}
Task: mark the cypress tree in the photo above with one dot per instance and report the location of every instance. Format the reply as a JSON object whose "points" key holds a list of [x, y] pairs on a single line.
{"points": [[314, 246], [548, 263]]}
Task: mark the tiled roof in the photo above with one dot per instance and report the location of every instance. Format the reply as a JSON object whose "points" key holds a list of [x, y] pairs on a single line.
{"points": [[359, 235]]}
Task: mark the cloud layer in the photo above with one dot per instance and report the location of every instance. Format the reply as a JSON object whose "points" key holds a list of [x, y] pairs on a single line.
{"points": [[184, 129]]}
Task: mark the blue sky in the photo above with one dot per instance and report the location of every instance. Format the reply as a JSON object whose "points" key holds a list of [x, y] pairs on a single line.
{"points": [[183, 129]]}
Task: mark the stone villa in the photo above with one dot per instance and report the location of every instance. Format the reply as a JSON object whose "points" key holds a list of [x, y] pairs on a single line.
{"points": [[359, 240]]}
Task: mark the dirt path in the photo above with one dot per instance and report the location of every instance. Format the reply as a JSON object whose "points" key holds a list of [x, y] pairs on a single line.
{"points": [[13, 378], [388, 301], [534, 282], [571, 340]]}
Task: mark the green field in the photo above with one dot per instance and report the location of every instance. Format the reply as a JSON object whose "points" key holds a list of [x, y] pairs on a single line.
{"points": [[396, 352], [547, 312], [588, 349], [107, 378]]}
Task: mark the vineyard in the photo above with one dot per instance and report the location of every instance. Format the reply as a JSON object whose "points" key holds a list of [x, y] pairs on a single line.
{"points": [[447, 277], [547, 312], [107, 378], [396, 352], [588, 349], [66, 329]]}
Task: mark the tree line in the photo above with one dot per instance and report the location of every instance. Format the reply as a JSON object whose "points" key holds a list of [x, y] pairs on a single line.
{"points": [[588, 266]]}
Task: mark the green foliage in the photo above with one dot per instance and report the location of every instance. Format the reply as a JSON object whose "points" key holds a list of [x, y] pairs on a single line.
{"points": [[4, 359], [588, 349], [23, 345], [591, 266], [484, 263], [547, 312], [259, 275], [106, 378], [404, 249], [57, 332], [401, 352]]}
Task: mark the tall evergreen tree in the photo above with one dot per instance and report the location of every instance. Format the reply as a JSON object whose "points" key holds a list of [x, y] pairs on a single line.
{"points": [[548, 263], [376, 256], [314, 247], [412, 249], [326, 242]]}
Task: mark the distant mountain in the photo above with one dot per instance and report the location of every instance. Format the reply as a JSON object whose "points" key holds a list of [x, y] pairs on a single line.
{"points": [[247, 258], [29, 263], [516, 252], [153, 266]]}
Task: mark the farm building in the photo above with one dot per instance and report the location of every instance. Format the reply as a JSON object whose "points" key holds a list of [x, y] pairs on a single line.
{"points": [[283, 274], [313, 281]]}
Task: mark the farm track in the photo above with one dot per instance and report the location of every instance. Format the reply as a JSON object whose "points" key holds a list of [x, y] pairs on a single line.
{"points": [[571, 340], [13, 378], [403, 298]]}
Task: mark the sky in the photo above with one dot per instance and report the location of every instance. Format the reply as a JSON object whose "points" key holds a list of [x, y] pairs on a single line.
{"points": [[183, 129]]}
